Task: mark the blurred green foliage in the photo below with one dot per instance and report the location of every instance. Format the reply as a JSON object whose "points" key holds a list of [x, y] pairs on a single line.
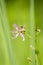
{"points": [[18, 11]]}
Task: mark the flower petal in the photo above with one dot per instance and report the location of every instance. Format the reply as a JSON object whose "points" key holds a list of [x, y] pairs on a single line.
{"points": [[16, 35], [22, 36], [14, 25]]}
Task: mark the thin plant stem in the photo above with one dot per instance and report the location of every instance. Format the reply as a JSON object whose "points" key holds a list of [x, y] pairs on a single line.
{"points": [[37, 54], [32, 31], [5, 27]]}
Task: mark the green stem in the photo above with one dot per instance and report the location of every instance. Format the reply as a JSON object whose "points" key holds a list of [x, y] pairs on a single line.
{"points": [[5, 27], [32, 30], [37, 54]]}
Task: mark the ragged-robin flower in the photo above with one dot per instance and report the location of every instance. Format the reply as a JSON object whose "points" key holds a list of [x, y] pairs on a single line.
{"points": [[18, 31]]}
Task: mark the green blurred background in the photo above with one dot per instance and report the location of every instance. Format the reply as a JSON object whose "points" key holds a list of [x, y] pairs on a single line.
{"points": [[16, 51]]}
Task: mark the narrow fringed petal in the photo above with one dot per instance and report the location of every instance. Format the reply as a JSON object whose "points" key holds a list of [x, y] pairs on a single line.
{"points": [[22, 36], [16, 27], [16, 35]]}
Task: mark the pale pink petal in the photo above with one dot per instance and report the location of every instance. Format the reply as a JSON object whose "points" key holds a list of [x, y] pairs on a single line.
{"points": [[22, 36], [14, 25], [16, 35]]}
